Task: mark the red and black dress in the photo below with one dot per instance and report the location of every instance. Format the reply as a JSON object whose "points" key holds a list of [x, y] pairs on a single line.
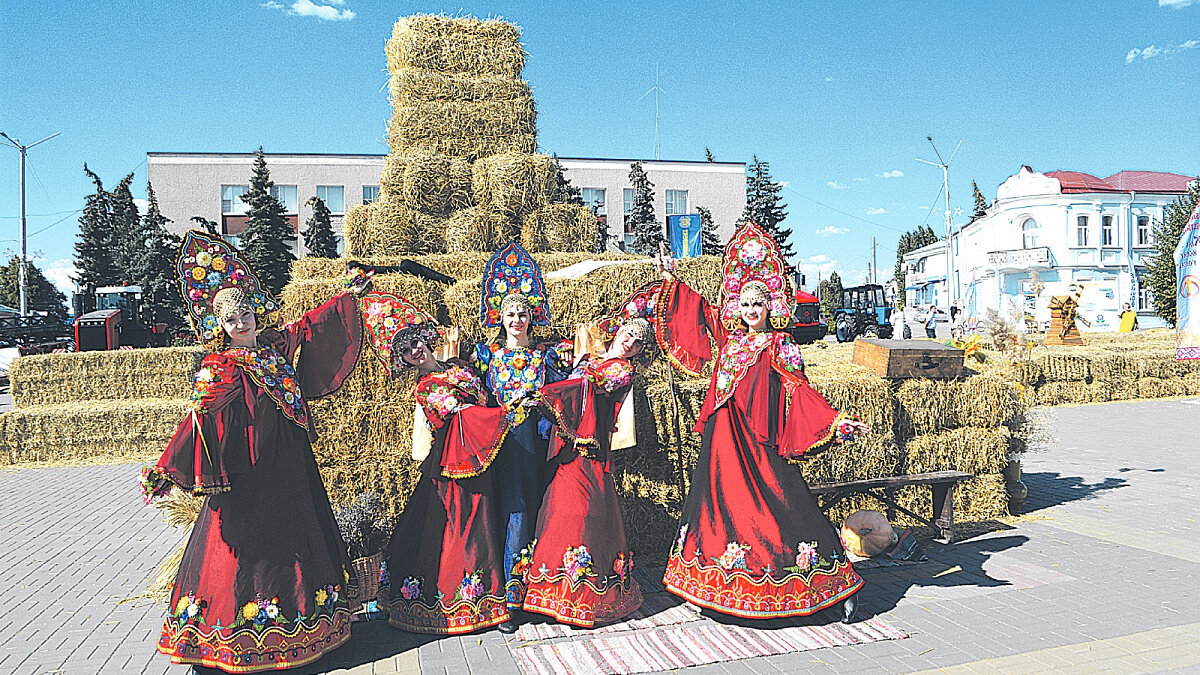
{"points": [[752, 541], [265, 577], [444, 561], [581, 570]]}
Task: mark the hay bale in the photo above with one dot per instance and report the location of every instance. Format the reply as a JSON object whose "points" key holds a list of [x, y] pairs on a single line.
{"points": [[857, 391], [46, 379], [396, 229], [981, 498], [356, 232], [466, 129], [420, 84], [302, 295], [975, 450], [990, 400], [869, 457], [366, 444], [560, 227], [1059, 393], [477, 229], [456, 45], [429, 183], [513, 183], [1065, 364], [90, 432], [469, 265], [926, 406]]}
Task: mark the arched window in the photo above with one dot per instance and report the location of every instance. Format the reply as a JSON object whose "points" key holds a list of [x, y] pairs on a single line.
{"points": [[1029, 233]]}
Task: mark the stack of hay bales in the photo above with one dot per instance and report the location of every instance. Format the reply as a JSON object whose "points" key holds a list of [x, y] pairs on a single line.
{"points": [[462, 174], [104, 406]]}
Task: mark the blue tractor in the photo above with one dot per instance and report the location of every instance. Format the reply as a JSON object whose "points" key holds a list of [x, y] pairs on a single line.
{"points": [[864, 313]]}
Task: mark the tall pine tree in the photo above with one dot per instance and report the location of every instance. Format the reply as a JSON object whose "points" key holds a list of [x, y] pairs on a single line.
{"points": [[909, 242], [156, 274], [830, 292], [127, 243], [267, 239], [708, 156], [40, 294], [641, 221], [980, 203], [765, 207], [1162, 274], [318, 231], [561, 189], [202, 223], [710, 241], [94, 262]]}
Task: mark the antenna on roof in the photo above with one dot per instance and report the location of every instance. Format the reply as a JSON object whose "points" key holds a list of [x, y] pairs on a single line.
{"points": [[657, 90]]}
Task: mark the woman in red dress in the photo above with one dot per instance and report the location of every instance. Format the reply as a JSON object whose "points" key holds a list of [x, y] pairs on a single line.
{"points": [[445, 573], [581, 568], [752, 541], [265, 578]]}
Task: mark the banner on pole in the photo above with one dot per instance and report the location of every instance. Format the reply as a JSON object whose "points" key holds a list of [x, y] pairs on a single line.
{"points": [[1187, 295], [685, 235]]}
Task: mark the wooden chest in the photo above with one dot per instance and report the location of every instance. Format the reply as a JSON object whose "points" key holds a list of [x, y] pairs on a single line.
{"points": [[909, 358]]}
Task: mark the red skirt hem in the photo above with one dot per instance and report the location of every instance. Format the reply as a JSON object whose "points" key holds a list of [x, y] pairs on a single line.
{"points": [[238, 652], [736, 593], [462, 617], [582, 604]]}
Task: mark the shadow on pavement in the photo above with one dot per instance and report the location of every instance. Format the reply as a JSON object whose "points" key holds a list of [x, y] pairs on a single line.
{"points": [[1050, 488], [370, 641]]}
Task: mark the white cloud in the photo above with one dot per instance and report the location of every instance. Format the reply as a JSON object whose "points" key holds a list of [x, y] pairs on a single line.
{"points": [[860, 180], [59, 273], [923, 208], [836, 185], [816, 265], [829, 79], [1190, 44], [1177, 4], [326, 10], [830, 230], [876, 211], [894, 173]]}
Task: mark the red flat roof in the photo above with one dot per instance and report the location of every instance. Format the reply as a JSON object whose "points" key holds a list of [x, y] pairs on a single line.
{"points": [[1123, 181]]}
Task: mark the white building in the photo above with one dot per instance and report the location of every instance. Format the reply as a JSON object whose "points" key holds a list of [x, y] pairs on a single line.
{"points": [[925, 281], [209, 184], [1074, 230]]}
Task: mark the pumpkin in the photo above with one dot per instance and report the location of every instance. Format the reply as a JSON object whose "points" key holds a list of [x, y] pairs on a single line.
{"points": [[867, 533]]}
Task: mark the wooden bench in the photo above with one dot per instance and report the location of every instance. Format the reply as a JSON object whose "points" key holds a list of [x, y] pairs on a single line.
{"points": [[884, 489]]}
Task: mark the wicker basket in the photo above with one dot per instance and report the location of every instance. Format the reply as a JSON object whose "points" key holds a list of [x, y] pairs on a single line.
{"points": [[367, 571]]}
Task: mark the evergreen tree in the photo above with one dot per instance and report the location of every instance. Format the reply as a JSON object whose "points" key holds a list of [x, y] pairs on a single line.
{"points": [[266, 241], [641, 221], [710, 241], [156, 274], [318, 231], [764, 206], [561, 190], [202, 223], [909, 242], [830, 292], [94, 262], [1162, 274], [980, 203], [40, 294], [602, 234], [126, 237], [708, 156]]}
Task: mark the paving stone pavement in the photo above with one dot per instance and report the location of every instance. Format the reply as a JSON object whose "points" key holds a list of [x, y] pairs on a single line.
{"points": [[1098, 577]]}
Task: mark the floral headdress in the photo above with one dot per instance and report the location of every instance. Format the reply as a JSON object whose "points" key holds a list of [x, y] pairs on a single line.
{"points": [[511, 270], [640, 310], [386, 317], [207, 265], [752, 255]]}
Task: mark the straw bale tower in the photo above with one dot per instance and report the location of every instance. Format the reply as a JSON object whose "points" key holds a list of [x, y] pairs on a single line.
{"points": [[462, 174]]}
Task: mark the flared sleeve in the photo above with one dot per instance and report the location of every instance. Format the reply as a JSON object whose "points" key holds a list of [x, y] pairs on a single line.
{"points": [[213, 441], [810, 424], [470, 432], [685, 322], [329, 339], [584, 407]]}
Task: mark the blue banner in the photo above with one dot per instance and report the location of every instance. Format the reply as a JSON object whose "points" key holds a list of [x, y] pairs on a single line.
{"points": [[685, 235], [1187, 301]]}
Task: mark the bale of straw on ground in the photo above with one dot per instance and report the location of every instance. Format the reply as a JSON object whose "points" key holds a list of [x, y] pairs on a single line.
{"points": [[430, 183], [469, 265], [302, 295], [366, 445], [854, 390], [560, 227], [45, 379], [95, 431], [1067, 365], [466, 129], [975, 450], [478, 229], [513, 183], [422, 84], [1066, 392], [456, 45], [394, 229], [356, 232]]}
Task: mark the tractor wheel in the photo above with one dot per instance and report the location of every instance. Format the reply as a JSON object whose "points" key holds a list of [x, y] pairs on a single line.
{"points": [[844, 329]]}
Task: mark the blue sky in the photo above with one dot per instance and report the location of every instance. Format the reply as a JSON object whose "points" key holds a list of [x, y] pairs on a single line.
{"points": [[837, 96]]}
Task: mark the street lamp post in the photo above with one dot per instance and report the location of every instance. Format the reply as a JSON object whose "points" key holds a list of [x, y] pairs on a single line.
{"points": [[945, 167], [23, 149]]}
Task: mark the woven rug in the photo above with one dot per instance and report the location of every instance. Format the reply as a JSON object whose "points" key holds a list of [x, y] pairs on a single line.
{"points": [[658, 609], [683, 647]]}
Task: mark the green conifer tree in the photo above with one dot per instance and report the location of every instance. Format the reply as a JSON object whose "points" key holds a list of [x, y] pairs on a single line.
{"points": [[126, 236], [765, 207], [267, 239], [94, 263], [1162, 274], [318, 231], [641, 221], [710, 241], [156, 274], [40, 294], [561, 189], [980, 203], [830, 292]]}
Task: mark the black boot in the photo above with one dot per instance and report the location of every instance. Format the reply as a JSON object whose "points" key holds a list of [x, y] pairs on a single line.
{"points": [[849, 609], [508, 627]]}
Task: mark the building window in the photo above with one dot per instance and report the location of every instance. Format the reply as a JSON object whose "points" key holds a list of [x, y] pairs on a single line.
{"points": [[1145, 299], [628, 194], [1143, 231], [676, 202], [1081, 231], [1029, 233], [231, 199], [334, 197], [594, 198], [370, 193], [286, 195], [1106, 231]]}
